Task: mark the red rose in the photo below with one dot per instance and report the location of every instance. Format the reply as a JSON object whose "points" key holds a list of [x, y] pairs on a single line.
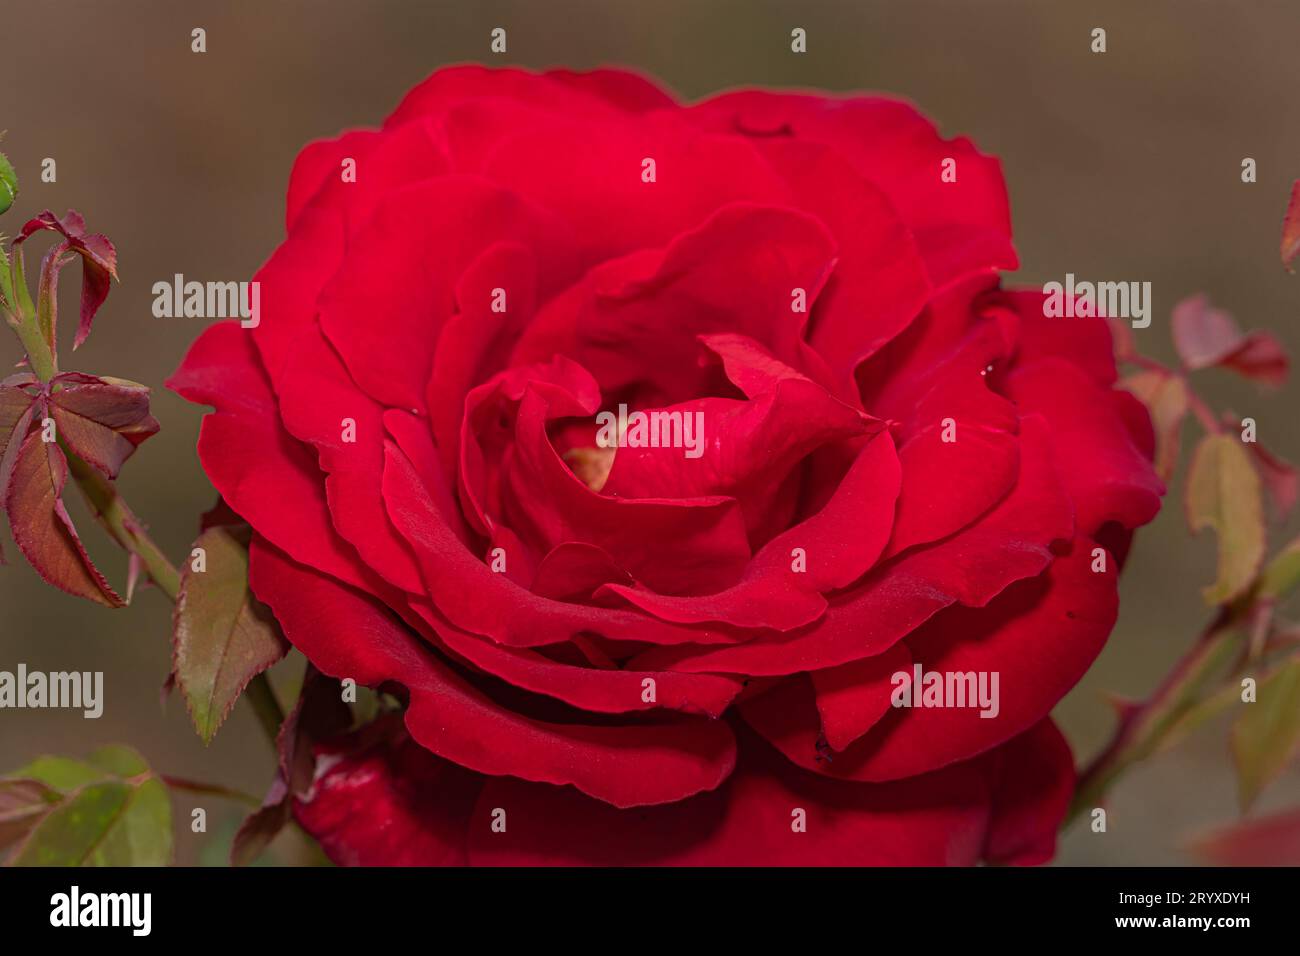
{"points": [[682, 654]]}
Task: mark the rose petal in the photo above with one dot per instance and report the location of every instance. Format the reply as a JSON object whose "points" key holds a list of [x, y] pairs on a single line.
{"points": [[1010, 543], [388, 802], [936, 820], [1074, 605], [1107, 476], [345, 634]]}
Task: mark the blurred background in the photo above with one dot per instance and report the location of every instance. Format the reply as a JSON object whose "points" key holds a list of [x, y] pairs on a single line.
{"points": [[1124, 165]]}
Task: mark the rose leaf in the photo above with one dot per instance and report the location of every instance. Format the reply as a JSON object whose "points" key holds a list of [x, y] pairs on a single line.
{"points": [[98, 264], [1205, 336], [1165, 397], [1223, 493], [109, 810], [1266, 733], [103, 421], [42, 527], [222, 635]]}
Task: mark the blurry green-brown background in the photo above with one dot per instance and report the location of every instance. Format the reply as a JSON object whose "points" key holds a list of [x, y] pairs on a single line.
{"points": [[1121, 166]]}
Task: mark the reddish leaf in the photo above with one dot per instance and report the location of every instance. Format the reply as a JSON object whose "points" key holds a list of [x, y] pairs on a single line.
{"points": [[99, 265], [220, 515], [1280, 480], [17, 409], [319, 713], [23, 804], [1268, 841], [262, 826], [102, 420], [1165, 397], [1205, 336], [42, 527], [47, 292], [1291, 228]]}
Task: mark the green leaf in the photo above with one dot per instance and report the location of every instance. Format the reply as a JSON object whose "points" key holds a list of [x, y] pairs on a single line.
{"points": [[1282, 574], [222, 636], [109, 810], [61, 773], [1223, 493], [8, 184], [119, 760], [1266, 733]]}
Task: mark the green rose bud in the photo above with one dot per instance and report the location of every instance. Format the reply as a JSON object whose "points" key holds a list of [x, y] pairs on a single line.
{"points": [[8, 184]]}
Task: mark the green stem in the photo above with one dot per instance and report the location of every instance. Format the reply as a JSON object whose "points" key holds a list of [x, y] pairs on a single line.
{"points": [[1144, 728], [120, 521], [123, 525], [212, 789], [127, 531]]}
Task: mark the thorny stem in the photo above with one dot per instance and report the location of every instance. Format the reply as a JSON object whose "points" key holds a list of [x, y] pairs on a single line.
{"points": [[1194, 401], [129, 532], [1143, 728]]}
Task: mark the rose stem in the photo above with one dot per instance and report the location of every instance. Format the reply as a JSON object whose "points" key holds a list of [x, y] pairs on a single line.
{"points": [[1144, 727], [128, 531]]}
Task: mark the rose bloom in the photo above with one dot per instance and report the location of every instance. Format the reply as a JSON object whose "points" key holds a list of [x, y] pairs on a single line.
{"points": [[616, 653]]}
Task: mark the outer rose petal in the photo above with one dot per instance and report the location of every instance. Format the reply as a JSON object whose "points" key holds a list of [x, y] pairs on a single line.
{"points": [[1035, 784], [383, 162], [1039, 636], [962, 227], [388, 802], [385, 307], [290, 284], [616, 212], [851, 698], [1085, 342], [561, 90], [593, 689], [1107, 475], [937, 820], [321, 405], [346, 634], [880, 283], [269, 478]]}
